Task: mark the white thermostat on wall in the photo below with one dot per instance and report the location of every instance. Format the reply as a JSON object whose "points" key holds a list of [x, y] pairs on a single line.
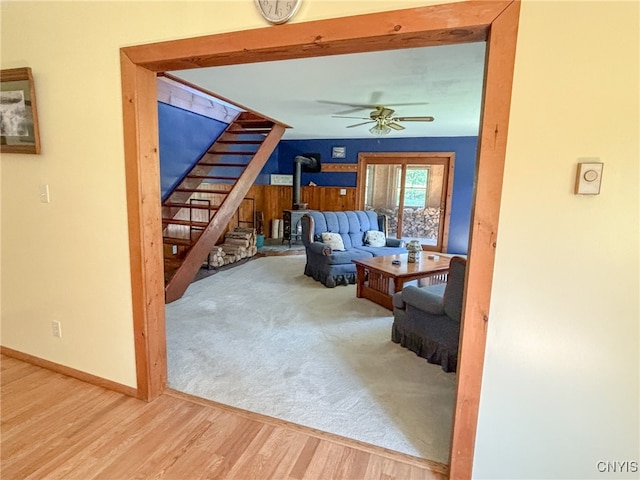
{"points": [[589, 178]]}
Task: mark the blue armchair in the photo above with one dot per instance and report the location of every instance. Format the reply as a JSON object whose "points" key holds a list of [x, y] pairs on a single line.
{"points": [[427, 320]]}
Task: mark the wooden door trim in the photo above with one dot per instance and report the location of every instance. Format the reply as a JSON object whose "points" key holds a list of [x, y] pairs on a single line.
{"points": [[448, 203], [446, 159], [495, 22], [492, 146]]}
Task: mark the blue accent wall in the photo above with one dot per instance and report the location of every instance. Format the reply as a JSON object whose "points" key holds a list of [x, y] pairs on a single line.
{"points": [[465, 149], [183, 137]]}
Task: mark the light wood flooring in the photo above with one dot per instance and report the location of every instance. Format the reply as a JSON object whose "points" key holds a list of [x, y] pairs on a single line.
{"points": [[57, 427]]}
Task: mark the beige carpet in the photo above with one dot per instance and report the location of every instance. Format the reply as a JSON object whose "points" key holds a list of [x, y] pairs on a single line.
{"points": [[265, 338]]}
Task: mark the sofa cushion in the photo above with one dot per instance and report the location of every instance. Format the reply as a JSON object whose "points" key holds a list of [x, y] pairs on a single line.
{"points": [[375, 238], [333, 240], [351, 225], [426, 299], [382, 251], [343, 257]]}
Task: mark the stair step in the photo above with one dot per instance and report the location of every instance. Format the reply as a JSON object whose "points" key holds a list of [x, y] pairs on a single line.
{"points": [[251, 129], [198, 206], [240, 142], [231, 153], [214, 177], [177, 241], [245, 131], [247, 115], [201, 190], [253, 121], [189, 223], [229, 165]]}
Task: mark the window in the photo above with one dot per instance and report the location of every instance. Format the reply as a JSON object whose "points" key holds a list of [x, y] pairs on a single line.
{"points": [[415, 187]]}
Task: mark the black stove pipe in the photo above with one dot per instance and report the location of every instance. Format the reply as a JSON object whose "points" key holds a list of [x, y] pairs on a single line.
{"points": [[300, 161]]}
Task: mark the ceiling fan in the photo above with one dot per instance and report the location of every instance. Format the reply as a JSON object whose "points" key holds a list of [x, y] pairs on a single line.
{"points": [[384, 121]]}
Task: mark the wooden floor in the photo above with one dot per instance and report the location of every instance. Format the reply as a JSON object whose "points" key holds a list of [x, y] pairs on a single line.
{"points": [[57, 427]]}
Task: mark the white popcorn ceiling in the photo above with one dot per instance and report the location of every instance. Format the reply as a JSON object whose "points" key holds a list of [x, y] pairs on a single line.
{"points": [[448, 79]]}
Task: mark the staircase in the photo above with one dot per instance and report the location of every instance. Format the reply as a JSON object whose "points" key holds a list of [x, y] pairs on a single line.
{"points": [[196, 214]]}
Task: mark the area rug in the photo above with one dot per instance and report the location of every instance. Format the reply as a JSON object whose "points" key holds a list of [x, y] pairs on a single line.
{"points": [[277, 246], [265, 338]]}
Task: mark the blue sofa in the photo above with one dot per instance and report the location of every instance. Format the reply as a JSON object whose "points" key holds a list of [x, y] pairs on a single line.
{"points": [[333, 267]]}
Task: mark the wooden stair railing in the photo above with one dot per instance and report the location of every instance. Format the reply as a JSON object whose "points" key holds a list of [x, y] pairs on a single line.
{"points": [[244, 147]]}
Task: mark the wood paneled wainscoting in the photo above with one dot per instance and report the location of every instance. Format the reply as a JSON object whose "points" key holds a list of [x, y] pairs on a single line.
{"points": [[271, 200]]}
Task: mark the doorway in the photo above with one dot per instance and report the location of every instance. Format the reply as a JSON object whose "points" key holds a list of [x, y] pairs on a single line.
{"points": [[493, 22], [413, 190]]}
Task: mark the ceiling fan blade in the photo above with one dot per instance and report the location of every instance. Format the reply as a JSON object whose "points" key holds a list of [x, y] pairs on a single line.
{"points": [[365, 106], [342, 116], [359, 124], [413, 119], [395, 126], [351, 110], [386, 112], [406, 104], [355, 107]]}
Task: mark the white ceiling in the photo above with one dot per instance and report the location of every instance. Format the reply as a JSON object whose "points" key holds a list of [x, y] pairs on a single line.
{"points": [[448, 79]]}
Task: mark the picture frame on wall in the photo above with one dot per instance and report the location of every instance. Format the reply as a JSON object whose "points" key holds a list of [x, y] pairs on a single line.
{"points": [[338, 152], [19, 131]]}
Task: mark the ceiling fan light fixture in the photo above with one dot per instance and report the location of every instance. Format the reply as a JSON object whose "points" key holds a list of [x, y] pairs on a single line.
{"points": [[380, 129]]}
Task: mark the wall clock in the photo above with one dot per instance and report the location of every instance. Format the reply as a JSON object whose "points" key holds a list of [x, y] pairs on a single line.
{"points": [[277, 11]]}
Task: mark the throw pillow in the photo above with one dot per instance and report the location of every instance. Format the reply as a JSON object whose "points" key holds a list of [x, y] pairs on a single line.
{"points": [[375, 238], [333, 240]]}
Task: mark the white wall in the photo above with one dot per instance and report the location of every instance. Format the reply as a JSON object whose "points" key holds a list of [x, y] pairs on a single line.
{"points": [[68, 260], [561, 378], [560, 385]]}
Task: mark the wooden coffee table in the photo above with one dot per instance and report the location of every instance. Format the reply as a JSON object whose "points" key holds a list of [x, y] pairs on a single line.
{"points": [[378, 278]]}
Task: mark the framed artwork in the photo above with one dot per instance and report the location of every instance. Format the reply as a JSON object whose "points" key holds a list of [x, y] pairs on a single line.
{"points": [[338, 152], [18, 115]]}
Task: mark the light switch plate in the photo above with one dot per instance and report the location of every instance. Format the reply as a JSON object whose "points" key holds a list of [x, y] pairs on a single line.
{"points": [[589, 178], [44, 193]]}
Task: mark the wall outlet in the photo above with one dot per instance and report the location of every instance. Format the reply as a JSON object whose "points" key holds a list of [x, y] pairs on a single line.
{"points": [[174, 249], [343, 191], [56, 329]]}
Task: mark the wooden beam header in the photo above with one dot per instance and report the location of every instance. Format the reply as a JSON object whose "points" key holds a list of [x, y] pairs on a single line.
{"points": [[373, 32]]}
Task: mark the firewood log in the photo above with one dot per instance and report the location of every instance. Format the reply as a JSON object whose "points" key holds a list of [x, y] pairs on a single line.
{"points": [[241, 242]]}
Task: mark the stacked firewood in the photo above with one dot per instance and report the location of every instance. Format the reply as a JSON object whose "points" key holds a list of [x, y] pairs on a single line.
{"points": [[416, 222], [420, 222], [238, 244]]}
